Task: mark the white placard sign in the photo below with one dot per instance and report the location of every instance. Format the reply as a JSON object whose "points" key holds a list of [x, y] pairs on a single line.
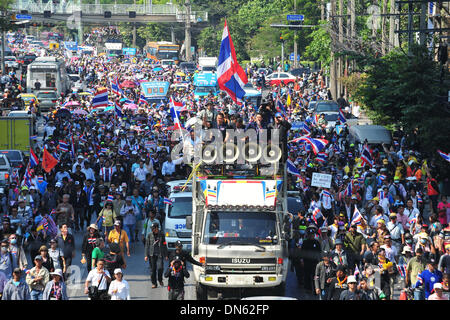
{"points": [[321, 180]]}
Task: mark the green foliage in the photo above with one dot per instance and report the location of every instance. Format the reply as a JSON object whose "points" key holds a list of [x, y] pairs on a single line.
{"points": [[319, 47], [405, 90]]}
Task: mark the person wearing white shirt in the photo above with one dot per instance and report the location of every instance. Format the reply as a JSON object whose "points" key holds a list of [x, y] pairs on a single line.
{"points": [[396, 231], [410, 210], [98, 277], [168, 167], [88, 172], [119, 288], [141, 172], [79, 162]]}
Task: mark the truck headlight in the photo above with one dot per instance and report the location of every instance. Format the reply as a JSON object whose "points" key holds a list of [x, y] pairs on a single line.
{"points": [[171, 233]]}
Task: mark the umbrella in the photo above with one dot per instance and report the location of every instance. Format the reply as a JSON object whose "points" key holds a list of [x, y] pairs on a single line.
{"points": [[80, 112], [84, 94], [181, 74], [108, 108], [63, 113], [193, 121], [72, 103], [157, 69], [128, 84], [131, 106]]}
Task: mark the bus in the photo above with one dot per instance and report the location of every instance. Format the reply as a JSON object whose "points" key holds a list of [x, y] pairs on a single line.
{"points": [[50, 72], [162, 50]]}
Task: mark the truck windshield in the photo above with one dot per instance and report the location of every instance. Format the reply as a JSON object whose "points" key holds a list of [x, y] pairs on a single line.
{"points": [[205, 89], [257, 228], [180, 207]]}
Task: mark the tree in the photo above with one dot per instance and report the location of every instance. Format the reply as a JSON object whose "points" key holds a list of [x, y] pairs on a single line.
{"points": [[319, 49], [406, 90]]}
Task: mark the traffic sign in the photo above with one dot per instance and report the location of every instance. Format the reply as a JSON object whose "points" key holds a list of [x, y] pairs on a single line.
{"points": [[23, 17], [295, 17], [129, 51], [291, 57]]}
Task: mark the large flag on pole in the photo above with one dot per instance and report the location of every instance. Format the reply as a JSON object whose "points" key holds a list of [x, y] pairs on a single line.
{"points": [[175, 109], [230, 75], [446, 156], [100, 98], [48, 161]]}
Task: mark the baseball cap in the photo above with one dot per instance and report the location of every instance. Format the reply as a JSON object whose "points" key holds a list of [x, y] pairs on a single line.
{"points": [[437, 285], [351, 279], [278, 114], [117, 223], [38, 257], [118, 270]]}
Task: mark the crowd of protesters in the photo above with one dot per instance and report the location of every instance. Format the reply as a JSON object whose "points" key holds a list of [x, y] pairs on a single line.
{"points": [[382, 224]]}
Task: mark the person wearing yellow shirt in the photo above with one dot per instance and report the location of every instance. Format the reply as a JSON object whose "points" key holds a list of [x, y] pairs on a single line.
{"points": [[119, 236], [108, 215]]}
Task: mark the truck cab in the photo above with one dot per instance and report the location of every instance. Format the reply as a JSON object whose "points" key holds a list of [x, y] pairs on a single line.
{"points": [[205, 84], [238, 231]]}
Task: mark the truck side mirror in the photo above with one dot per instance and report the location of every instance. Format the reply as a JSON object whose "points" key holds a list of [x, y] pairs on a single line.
{"points": [[189, 222]]}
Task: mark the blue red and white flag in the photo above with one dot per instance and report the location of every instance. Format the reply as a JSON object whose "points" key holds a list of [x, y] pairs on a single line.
{"points": [[123, 152], [446, 156], [402, 270], [104, 150], [33, 137], [342, 116], [167, 201], [100, 98], [72, 147], [280, 108], [291, 168], [118, 109], [34, 160], [175, 109], [110, 197], [366, 155], [230, 75], [357, 217], [357, 273], [316, 214], [316, 144], [115, 88], [40, 179], [63, 146], [419, 198], [143, 100], [305, 129], [348, 191]]}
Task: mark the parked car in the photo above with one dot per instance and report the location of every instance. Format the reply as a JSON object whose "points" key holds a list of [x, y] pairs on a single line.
{"points": [[26, 59], [298, 72], [11, 62], [280, 77], [5, 170], [374, 134], [326, 106], [47, 100], [188, 67], [15, 157]]}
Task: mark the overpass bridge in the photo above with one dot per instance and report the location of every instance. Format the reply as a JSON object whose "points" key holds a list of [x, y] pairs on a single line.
{"points": [[95, 13]]}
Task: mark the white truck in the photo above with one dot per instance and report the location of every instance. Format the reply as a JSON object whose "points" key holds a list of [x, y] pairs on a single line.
{"points": [[208, 64], [238, 233]]}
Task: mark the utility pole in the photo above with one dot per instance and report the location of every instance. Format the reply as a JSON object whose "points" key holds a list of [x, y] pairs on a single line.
{"points": [[392, 23], [341, 41], [423, 23], [333, 76], [295, 38], [134, 29], [410, 25], [383, 27], [187, 40]]}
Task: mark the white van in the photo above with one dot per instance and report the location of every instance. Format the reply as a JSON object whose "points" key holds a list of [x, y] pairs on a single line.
{"points": [[175, 220]]}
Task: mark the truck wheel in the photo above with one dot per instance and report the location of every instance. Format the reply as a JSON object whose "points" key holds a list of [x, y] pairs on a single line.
{"points": [[281, 289], [202, 292]]}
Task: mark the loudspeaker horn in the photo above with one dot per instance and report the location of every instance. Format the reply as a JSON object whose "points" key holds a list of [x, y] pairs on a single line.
{"points": [[272, 153], [209, 154], [252, 152], [230, 152]]}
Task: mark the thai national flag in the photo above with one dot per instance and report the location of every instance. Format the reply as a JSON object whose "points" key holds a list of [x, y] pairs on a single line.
{"points": [[321, 157], [348, 191], [342, 116], [419, 198], [33, 137], [100, 98], [316, 144], [167, 201], [305, 129], [356, 273], [280, 108], [63, 146], [357, 217], [291, 168], [123, 152], [115, 87], [316, 214], [230, 75], [118, 109], [402, 270], [446, 156], [143, 100], [175, 109], [104, 150], [34, 160], [72, 148], [366, 155], [110, 197]]}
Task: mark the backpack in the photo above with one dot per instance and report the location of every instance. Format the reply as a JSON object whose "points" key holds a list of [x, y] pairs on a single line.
{"points": [[111, 262]]}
